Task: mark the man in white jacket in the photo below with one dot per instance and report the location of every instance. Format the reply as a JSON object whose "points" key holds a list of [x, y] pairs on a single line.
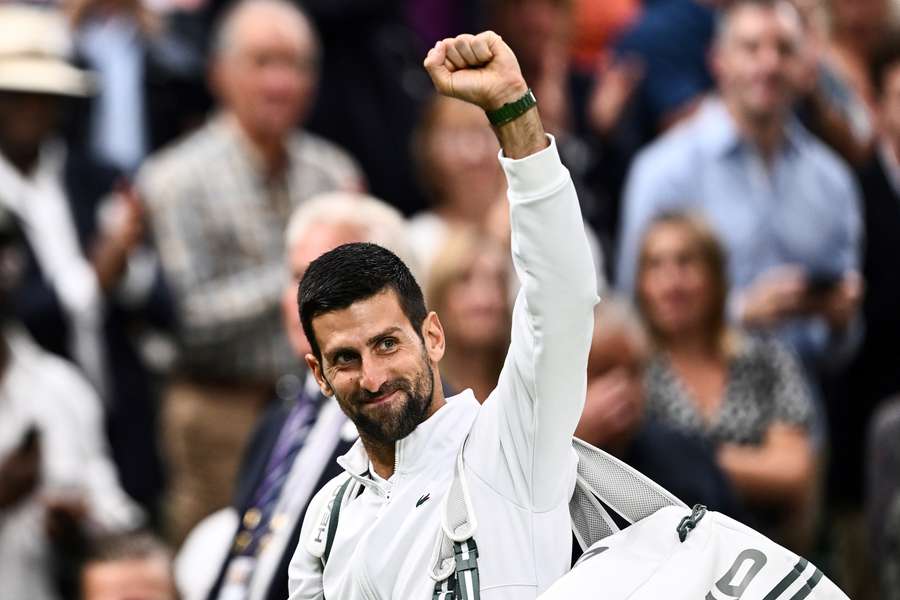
{"points": [[376, 349]]}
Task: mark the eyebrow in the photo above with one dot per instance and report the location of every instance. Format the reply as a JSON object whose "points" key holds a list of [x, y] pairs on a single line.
{"points": [[379, 336]]}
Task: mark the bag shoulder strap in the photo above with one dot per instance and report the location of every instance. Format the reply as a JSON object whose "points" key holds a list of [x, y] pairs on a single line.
{"points": [[335, 515]]}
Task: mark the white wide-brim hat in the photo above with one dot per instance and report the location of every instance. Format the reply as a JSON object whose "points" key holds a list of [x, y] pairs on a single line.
{"points": [[35, 45]]}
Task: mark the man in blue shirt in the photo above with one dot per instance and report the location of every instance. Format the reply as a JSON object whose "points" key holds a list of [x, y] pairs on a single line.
{"points": [[785, 206]]}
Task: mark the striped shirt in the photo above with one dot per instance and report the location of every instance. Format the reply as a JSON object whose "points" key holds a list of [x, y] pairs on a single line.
{"points": [[218, 221]]}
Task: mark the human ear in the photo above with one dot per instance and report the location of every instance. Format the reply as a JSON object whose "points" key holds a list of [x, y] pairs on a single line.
{"points": [[315, 368], [433, 336]]}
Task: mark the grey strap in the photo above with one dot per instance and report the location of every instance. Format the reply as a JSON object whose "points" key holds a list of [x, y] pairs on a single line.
{"points": [[333, 519]]}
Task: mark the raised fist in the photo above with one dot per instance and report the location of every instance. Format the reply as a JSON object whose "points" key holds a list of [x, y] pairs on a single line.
{"points": [[480, 69]]}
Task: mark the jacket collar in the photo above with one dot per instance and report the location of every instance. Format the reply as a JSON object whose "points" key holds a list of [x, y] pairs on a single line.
{"points": [[431, 443]]}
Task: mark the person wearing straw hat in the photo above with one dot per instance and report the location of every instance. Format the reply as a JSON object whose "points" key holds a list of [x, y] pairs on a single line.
{"points": [[88, 281]]}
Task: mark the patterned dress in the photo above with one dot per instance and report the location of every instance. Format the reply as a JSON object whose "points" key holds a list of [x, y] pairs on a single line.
{"points": [[764, 385]]}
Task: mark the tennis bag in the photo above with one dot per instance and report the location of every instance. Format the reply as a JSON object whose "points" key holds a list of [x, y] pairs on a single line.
{"points": [[669, 551]]}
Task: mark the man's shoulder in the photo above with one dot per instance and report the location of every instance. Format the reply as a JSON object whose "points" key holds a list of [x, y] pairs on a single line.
{"points": [[675, 151]]}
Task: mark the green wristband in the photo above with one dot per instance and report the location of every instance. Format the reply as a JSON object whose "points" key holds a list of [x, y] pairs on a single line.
{"points": [[512, 110]]}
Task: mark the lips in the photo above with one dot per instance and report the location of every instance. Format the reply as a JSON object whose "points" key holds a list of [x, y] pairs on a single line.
{"points": [[382, 399]]}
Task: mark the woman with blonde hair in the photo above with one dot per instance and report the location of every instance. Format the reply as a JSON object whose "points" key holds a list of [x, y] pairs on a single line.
{"points": [[745, 396], [469, 287]]}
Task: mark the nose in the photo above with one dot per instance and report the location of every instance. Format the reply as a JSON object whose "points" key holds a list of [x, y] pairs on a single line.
{"points": [[373, 375], [770, 57]]}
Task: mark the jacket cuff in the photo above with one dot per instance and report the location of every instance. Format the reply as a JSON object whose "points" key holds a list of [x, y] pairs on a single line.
{"points": [[536, 175]]}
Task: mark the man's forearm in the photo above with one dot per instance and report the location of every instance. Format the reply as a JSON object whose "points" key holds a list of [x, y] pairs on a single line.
{"points": [[522, 136]]}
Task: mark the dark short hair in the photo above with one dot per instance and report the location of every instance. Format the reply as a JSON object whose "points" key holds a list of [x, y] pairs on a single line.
{"points": [[885, 57], [351, 273]]}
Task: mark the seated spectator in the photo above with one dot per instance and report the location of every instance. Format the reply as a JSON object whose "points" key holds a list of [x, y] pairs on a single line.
{"points": [[454, 148], [218, 201], [469, 286], [784, 205], [743, 395], [56, 477], [131, 566], [91, 287], [615, 418]]}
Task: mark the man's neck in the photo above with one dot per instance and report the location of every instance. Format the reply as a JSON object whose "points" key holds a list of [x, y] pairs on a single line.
{"points": [[765, 134], [383, 455]]}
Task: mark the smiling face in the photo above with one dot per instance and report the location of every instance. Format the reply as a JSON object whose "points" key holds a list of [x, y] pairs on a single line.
{"points": [[381, 371]]}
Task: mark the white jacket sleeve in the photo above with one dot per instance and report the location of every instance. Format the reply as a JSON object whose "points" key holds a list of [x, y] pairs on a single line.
{"points": [[520, 443]]}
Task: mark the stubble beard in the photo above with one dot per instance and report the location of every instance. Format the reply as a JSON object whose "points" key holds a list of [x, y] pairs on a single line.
{"points": [[388, 424]]}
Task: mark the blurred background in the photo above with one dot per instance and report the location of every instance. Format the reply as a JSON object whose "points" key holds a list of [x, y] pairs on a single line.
{"points": [[168, 169]]}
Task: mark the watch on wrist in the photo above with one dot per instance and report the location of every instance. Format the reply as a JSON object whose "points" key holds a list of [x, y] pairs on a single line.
{"points": [[512, 110]]}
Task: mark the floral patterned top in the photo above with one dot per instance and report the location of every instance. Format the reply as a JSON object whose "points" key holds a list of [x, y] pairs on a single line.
{"points": [[764, 385]]}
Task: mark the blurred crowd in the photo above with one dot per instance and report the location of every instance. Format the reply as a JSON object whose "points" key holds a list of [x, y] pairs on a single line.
{"points": [[169, 168]]}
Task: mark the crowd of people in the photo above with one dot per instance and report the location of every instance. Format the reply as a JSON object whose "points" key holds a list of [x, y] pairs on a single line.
{"points": [[170, 168]]}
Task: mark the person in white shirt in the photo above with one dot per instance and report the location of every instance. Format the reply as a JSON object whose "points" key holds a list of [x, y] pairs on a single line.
{"points": [[376, 349], [49, 411]]}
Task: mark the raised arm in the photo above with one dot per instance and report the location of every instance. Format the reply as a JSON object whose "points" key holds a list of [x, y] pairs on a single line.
{"points": [[522, 438]]}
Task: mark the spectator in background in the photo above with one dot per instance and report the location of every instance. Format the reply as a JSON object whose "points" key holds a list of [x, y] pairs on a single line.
{"points": [[130, 566], [857, 27], [595, 27], [671, 38], [56, 477], [454, 149], [218, 202], [372, 91], [874, 374], [745, 396], [294, 450], [615, 418], [112, 36], [149, 71], [828, 103], [785, 207], [469, 286], [90, 287]]}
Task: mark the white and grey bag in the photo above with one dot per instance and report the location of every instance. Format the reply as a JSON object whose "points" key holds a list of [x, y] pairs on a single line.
{"points": [[669, 551]]}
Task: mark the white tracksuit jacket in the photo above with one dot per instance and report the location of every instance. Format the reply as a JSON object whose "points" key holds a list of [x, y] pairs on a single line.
{"points": [[519, 461]]}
